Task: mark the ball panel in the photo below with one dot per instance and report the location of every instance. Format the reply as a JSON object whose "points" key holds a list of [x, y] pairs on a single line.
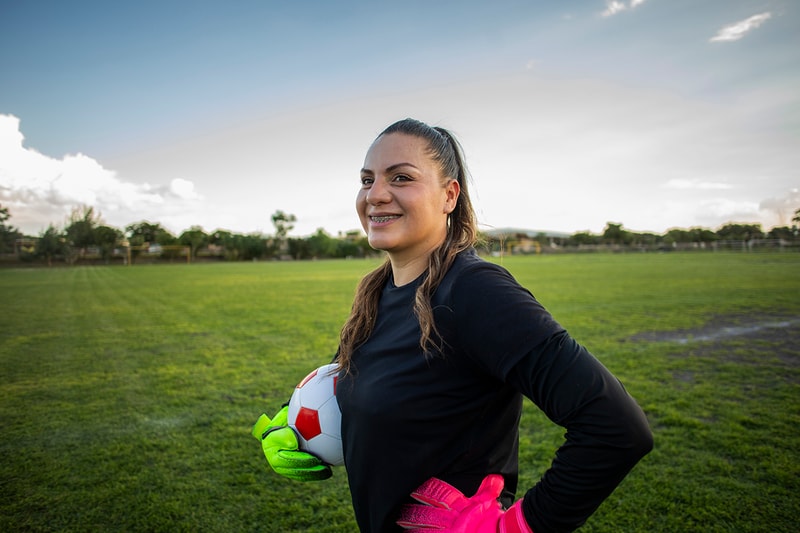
{"points": [[307, 423], [327, 448], [330, 418], [308, 378], [314, 415], [314, 394]]}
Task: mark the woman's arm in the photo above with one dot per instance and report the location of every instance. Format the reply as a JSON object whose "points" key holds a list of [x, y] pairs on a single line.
{"points": [[607, 432]]}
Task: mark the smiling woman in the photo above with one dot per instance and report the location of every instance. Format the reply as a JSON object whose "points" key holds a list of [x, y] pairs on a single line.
{"points": [[435, 358], [404, 202]]}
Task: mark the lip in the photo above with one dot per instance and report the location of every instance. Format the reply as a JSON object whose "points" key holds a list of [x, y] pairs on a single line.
{"points": [[382, 219]]}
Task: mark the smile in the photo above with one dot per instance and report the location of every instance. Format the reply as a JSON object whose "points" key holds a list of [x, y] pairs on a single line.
{"points": [[384, 218]]}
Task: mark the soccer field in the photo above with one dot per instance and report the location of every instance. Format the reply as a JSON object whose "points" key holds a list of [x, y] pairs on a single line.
{"points": [[128, 393]]}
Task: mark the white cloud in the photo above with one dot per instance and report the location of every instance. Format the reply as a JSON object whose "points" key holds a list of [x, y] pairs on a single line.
{"points": [[782, 207], [736, 31], [41, 190], [614, 6], [727, 210], [183, 189], [695, 184], [542, 155]]}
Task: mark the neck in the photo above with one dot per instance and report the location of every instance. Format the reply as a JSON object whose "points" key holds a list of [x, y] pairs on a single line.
{"points": [[406, 269], [405, 272]]}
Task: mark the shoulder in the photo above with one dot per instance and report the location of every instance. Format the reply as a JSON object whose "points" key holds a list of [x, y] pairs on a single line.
{"points": [[471, 273], [489, 316]]}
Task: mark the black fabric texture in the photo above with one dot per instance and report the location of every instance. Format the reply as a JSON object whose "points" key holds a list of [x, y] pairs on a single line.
{"points": [[409, 416]]}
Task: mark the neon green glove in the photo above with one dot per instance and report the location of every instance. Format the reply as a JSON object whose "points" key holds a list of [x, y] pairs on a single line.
{"points": [[279, 443]]}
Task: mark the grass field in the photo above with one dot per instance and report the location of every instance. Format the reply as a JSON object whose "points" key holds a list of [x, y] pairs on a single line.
{"points": [[128, 393]]}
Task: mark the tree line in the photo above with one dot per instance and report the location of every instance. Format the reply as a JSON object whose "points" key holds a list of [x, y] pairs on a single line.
{"points": [[85, 236], [616, 234]]}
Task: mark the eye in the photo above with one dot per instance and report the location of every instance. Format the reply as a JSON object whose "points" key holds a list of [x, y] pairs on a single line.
{"points": [[366, 181], [401, 178]]}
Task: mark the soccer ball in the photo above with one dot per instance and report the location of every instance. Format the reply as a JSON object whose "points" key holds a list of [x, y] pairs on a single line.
{"points": [[315, 417]]}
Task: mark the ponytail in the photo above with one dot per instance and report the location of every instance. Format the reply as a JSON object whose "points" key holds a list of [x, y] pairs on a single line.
{"points": [[461, 235]]}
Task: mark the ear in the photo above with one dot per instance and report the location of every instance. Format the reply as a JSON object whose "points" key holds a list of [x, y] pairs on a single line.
{"points": [[452, 190]]}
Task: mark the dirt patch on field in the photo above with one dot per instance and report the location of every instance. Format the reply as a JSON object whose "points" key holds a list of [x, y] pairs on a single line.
{"points": [[778, 334]]}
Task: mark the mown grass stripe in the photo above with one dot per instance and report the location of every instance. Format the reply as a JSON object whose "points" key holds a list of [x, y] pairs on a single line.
{"points": [[128, 392]]}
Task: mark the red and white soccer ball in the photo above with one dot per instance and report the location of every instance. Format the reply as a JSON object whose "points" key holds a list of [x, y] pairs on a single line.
{"points": [[315, 416]]}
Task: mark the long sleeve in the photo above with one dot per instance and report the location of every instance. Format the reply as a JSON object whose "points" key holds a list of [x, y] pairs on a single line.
{"points": [[607, 432]]}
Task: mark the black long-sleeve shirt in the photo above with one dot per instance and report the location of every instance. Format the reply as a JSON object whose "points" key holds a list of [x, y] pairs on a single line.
{"points": [[454, 415]]}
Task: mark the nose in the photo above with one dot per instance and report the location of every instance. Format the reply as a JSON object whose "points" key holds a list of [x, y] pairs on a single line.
{"points": [[378, 193]]}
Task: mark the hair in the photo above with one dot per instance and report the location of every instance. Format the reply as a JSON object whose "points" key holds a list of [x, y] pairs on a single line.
{"points": [[461, 234]]}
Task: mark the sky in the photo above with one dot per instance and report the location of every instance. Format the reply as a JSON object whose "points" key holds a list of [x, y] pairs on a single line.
{"points": [[653, 114]]}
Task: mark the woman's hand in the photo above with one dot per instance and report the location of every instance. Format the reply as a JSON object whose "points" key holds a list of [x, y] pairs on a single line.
{"points": [[279, 443], [446, 509]]}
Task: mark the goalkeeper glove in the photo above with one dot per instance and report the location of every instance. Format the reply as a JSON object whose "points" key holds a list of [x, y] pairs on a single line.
{"points": [[279, 443], [446, 509]]}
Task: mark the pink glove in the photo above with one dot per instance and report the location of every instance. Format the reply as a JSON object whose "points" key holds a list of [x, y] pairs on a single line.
{"points": [[447, 509]]}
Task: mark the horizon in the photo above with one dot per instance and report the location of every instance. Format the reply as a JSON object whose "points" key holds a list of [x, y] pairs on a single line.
{"points": [[488, 230]]}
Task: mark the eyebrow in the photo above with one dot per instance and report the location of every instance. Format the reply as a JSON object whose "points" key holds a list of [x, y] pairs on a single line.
{"points": [[390, 168]]}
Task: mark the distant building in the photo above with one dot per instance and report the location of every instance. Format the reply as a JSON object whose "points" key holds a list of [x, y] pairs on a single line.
{"points": [[524, 241]]}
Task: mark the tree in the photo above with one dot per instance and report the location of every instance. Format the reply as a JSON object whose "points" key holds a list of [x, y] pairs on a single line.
{"points": [[614, 234], [796, 217], [147, 233], [353, 244], [298, 248], [80, 228], [703, 235], [224, 240], [740, 232], [677, 235], [220, 237], [107, 238], [144, 233], [195, 238], [783, 232], [51, 244], [645, 239], [321, 245], [253, 246], [8, 234], [284, 223], [583, 237]]}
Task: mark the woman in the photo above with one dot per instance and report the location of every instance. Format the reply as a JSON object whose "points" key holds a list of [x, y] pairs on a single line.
{"points": [[434, 360]]}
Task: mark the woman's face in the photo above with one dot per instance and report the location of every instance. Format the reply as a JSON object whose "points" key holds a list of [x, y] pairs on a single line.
{"points": [[404, 199]]}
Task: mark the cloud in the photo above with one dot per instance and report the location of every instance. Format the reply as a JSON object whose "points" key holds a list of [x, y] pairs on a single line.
{"points": [[782, 207], [39, 189], [728, 211], [613, 7], [652, 159], [686, 184], [182, 188], [736, 31]]}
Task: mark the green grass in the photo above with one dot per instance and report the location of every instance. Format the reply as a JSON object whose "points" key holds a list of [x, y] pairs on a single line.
{"points": [[128, 393]]}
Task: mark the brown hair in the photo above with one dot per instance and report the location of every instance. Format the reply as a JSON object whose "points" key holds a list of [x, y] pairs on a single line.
{"points": [[461, 235]]}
